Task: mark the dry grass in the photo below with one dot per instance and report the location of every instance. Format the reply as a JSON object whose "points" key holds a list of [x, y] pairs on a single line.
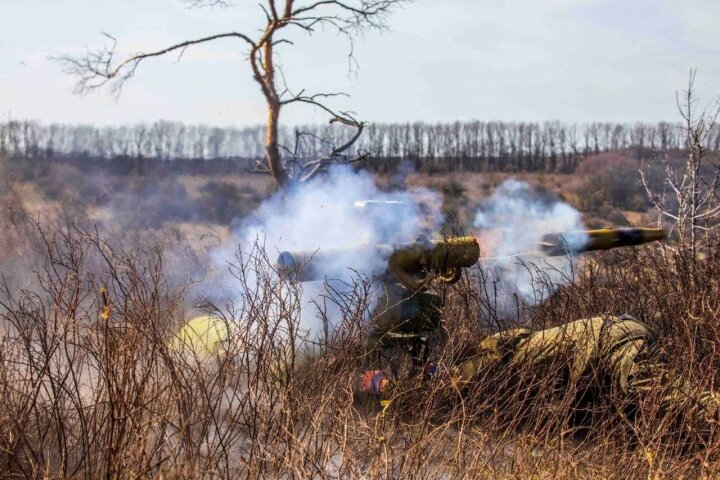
{"points": [[86, 395]]}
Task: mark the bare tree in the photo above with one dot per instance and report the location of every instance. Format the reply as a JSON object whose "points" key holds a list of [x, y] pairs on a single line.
{"points": [[689, 196], [95, 69]]}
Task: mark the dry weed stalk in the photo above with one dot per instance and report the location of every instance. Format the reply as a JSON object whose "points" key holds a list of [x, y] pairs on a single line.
{"points": [[87, 395]]}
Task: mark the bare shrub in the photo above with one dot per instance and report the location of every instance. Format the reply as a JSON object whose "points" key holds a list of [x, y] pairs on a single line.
{"points": [[688, 194], [93, 384]]}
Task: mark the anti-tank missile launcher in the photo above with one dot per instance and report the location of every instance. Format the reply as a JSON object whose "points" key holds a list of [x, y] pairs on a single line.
{"points": [[405, 313], [412, 264], [416, 264]]}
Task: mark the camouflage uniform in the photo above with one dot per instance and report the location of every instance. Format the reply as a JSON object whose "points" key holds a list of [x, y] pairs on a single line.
{"points": [[615, 350], [614, 342], [402, 316]]}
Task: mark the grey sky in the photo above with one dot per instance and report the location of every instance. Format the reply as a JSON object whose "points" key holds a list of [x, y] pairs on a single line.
{"points": [[573, 60]]}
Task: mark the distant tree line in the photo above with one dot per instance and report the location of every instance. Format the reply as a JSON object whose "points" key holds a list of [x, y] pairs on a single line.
{"points": [[465, 146]]}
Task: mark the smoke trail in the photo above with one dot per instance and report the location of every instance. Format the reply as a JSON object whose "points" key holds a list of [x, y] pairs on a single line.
{"points": [[328, 213], [513, 221]]}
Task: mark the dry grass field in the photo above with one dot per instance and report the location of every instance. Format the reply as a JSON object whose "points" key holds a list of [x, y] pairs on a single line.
{"points": [[91, 386]]}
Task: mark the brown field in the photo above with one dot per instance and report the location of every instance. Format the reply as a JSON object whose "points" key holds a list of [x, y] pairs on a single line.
{"points": [[90, 386]]}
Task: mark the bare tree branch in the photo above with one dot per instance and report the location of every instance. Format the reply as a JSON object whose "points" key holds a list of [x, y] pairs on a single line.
{"points": [[95, 69]]}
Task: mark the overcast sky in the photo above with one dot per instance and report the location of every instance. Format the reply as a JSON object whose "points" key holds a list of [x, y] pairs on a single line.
{"points": [[572, 60]]}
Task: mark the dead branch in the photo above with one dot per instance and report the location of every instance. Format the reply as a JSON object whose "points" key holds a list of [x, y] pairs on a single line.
{"points": [[96, 68]]}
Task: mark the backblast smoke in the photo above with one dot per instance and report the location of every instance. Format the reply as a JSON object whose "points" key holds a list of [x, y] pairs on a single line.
{"points": [[512, 224]]}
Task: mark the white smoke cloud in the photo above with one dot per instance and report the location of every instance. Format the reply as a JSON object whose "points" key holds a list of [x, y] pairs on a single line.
{"points": [[328, 214], [512, 223]]}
